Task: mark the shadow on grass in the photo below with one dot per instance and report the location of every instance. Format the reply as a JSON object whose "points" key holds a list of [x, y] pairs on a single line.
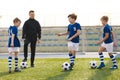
{"points": [[6, 73], [102, 74], [60, 76], [3, 74]]}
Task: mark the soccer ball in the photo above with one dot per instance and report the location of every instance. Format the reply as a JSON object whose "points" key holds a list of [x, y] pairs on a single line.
{"points": [[93, 64], [23, 65], [66, 66]]}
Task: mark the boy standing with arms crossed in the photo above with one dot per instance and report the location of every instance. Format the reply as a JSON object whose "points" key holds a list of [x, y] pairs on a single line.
{"points": [[73, 38], [13, 44]]}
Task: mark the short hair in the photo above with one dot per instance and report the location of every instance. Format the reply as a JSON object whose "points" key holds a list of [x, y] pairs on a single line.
{"points": [[105, 18], [16, 20], [73, 16], [31, 11]]}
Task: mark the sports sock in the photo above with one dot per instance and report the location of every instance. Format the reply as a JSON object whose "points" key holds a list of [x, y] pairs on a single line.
{"points": [[16, 62], [113, 60], [101, 57], [9, 62], [72, 58]]}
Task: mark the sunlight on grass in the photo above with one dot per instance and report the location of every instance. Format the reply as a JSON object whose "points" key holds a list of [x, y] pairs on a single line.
{"points": [[50, 69]]}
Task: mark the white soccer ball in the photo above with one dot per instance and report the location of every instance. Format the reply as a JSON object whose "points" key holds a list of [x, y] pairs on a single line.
{"points": [[93, 64], [23, 65], [66, 66]]}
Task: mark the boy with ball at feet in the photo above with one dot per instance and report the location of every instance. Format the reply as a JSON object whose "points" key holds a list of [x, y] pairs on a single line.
{"points": [[73, 33], [13, 45], [107, 44]]}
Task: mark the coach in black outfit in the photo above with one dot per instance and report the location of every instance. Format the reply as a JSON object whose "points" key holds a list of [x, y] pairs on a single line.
{"points": [[31, 33]]}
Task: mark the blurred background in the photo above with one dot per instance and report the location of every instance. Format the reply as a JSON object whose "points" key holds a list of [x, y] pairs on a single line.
{"points": [[52, 15], [55, 12]]}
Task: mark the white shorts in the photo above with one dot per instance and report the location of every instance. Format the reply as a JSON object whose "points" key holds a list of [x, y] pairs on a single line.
{"points": [[13, 49], [109, 47], [75, 46]]}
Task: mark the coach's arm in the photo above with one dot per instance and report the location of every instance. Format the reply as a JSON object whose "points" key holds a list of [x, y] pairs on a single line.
{"points": [[24, 30]]}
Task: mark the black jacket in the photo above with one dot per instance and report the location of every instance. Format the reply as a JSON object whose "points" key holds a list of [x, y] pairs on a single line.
{"points": [[31, 29]]}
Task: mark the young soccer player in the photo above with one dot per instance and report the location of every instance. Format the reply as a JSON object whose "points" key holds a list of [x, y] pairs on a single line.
{"points": [[73, 38], [13, 44], [107, 43]]}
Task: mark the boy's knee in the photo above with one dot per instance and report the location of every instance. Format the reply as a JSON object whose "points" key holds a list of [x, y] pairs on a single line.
{"points": [[110, 54], [99, 51], [10, 53], [71, 51]]}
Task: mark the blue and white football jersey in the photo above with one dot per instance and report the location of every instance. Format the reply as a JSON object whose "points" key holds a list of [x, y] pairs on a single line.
{"points": [[13, 30], [72, 28], [108, 29]]}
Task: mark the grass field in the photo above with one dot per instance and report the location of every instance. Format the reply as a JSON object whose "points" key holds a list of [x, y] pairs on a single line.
{"points": [[50, 69]]}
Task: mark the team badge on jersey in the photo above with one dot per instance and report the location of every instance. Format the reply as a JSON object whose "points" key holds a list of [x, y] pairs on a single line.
{"points": [[74, 28]]}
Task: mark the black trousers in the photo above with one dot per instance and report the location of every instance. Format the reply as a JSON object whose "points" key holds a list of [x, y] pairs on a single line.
{"points": [[33, 49]]}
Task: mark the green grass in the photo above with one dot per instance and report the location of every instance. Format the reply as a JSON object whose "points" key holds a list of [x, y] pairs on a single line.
{"points": [[50, 69]]}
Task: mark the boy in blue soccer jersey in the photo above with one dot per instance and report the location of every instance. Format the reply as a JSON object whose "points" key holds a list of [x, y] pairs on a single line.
{"points": [[13, 44], [73, 38], [107, 43]]}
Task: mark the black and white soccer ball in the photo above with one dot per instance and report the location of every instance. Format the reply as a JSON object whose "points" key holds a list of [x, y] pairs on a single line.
{"points": [[66, 66], [93, 64], [23, 65]]}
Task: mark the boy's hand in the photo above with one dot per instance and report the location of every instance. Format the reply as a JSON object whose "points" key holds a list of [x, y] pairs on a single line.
{"points": [[114, 44], [59, 34], [69, 39], [99, 42], [23, 39], [12, 45]]}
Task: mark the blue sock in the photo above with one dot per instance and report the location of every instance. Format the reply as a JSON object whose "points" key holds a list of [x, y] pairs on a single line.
{"points": [[72, 58], [113, 60], [9, 62], [101, 57], [16, 62]]}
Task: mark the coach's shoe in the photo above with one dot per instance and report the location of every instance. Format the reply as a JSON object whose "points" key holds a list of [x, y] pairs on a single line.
{"points": [[71, 66], [101, 66], [32, 65], [10, 70], [24, 60], [114, 67], [17, 70]]}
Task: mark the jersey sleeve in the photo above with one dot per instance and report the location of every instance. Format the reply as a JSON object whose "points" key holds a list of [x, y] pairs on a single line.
{"points": [[14, 31], [111, 29], [78, 27], [68, 28], [106, 30]]}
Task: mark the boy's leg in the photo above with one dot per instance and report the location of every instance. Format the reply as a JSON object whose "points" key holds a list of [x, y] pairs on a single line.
{"points": [[101, 49], [10, 62], [110, 51], [72, 52], [71, 55], [16, 62], [113, 61], [16, 59], [72, 58]]}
